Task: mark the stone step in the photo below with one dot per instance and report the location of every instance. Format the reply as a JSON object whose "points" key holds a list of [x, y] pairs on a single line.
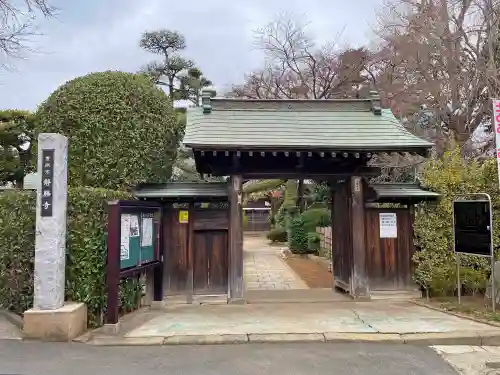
{"points": [[215, 299], [295, 296], [395, 294]]}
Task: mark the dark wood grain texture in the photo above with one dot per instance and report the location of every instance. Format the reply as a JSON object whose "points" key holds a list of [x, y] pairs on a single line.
{"points": [[360, 287], [235, 239], [389, 260]]}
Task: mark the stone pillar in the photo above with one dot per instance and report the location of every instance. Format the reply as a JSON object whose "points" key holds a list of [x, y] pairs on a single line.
{"points": [[50, 317], [51, 206]]}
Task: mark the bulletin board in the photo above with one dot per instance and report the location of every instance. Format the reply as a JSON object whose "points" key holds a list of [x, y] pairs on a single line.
{"points": [[137, 238]]}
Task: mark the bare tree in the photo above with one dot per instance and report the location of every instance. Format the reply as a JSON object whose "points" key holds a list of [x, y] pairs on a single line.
{"points": [[295, 67], [17, 25], [436, 64]]}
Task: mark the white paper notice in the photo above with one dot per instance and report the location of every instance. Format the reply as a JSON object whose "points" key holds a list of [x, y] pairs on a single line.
{"points": [[134, 226], [124, 237], [147, 231], [388, 225]]}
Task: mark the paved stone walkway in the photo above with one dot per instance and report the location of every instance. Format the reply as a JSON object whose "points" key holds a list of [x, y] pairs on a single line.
{"points": [[8, 331], [471, 360], [264, 269], [305, 318]]}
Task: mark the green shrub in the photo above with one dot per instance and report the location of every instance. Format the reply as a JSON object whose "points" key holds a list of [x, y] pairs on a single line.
{"points": [[280, 219], [272, 220], [17, 250], [450, 176], [318, 205], [277, 234], [85, 254], [444, 281], [313, 242], [122, 129], [298, 236], [316, 217], [474, 280]]}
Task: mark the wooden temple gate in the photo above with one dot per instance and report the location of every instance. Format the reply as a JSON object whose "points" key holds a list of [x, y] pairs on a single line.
{"points": [[322, 140]]}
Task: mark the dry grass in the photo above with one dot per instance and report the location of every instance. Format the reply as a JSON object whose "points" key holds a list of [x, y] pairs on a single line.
{"points": [[474, 306]]}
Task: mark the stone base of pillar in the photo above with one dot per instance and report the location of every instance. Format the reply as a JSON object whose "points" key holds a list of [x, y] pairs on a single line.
{"points": [[63, 324]]}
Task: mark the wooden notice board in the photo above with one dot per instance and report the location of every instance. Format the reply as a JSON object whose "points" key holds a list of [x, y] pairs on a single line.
{"points": [[137, 238]]}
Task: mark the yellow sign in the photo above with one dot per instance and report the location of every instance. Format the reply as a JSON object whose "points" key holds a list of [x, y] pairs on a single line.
{"points": [[183, 217]]}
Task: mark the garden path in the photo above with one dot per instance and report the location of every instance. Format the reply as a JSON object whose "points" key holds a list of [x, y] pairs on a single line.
{"points": [[264, 269]]}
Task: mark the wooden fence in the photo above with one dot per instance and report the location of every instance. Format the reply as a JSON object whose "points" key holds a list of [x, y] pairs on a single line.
{"points": [[326, 240]]}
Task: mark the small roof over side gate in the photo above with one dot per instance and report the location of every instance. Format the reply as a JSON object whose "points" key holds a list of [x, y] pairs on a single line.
{"points": [[182, 190], [409, 193], [337, 125]]}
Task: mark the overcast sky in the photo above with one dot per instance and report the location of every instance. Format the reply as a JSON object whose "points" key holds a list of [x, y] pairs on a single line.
{"points": [[98, 35]]}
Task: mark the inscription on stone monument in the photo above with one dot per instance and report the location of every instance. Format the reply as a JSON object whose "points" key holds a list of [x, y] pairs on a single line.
{"points": [[47, 176]]}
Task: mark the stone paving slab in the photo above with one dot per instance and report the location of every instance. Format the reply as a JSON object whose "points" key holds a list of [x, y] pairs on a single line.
{"points": [[288, 318], [264, 269], [9, 331], [470, 359]]}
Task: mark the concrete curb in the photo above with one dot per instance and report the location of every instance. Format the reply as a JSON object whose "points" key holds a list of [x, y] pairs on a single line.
{"points": [[418, 339], [285, 337], [206, 339], [12, 318], [457, 314]]}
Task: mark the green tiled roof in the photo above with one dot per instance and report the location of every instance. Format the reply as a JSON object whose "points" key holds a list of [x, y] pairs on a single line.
{"points": [[402, 191], [335, 125], [182, 190]]}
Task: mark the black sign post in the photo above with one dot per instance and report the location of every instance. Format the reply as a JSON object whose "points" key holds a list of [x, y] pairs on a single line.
{"points": [[47, 182], [473, 233]]}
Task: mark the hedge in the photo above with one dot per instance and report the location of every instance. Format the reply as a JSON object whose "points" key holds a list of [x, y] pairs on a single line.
{"points": [[298, 238], [277, 234], [316, 217], [121, 129], [86, 251], [435, 268]]}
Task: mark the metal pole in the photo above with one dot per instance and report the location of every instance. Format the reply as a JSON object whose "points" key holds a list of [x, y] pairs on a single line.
{"points": [[493, 281], [493, 289], [459, 286], [492, 254]]}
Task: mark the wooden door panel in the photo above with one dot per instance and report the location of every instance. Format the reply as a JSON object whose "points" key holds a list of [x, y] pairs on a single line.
{"points": [[210, 262], [176, 253], [201, 251], [342, 237], [389, 259], [218, 272]]}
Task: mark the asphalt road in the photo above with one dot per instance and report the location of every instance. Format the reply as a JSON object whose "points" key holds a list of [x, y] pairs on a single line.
{"points": [[30, 358]]}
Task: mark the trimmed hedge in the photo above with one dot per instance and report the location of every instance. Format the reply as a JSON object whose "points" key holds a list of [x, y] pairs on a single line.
{"points": [[86, 251], [298, 236], [121, 128], [316, 217], [278, 234], [313, 242], [435, 268], [17, 250]]}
